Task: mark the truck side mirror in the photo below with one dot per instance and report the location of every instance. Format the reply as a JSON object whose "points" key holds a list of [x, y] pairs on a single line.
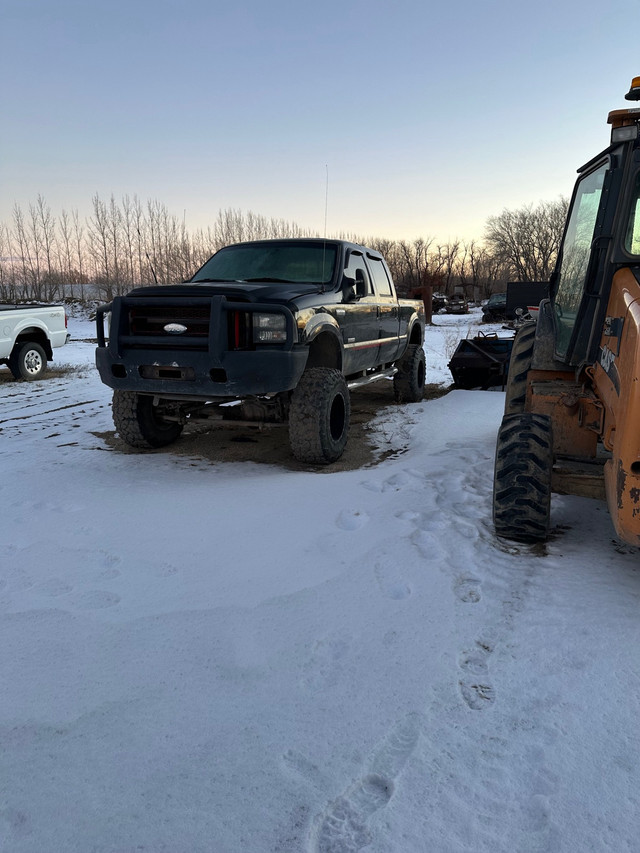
{"points": [[361, 284], [349, 289]]}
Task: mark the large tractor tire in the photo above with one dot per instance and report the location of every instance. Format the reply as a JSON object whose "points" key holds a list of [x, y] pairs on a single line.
{"points": [[522, 477], [408, 382], [519, 366], [28, 361], [140, 423], [319, 416]]}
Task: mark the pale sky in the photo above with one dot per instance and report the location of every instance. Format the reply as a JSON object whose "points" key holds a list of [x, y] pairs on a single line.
{"points": [[427, 117]]}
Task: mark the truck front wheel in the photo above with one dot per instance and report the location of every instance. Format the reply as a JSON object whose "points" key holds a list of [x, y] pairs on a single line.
{"points": [[28, 361], [408, 382], [319, 416], [140, 423]]}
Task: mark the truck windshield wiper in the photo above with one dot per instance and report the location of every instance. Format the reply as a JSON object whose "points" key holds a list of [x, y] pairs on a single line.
{"points": [[200, 280], [269, 278]]}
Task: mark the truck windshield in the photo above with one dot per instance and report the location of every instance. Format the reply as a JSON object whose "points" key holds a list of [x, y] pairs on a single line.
{"points": [[291, 263], [575, 254]]}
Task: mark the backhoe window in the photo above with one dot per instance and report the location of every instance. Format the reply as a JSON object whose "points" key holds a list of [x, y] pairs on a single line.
{"points": [[632, 240], [575, 255]]}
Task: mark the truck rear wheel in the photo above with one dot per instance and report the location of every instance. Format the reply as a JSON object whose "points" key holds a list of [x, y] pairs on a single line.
{"points": [[522, 477], [319, 416], [28, 361], [519, 366], [140, 423], [408, 382]]}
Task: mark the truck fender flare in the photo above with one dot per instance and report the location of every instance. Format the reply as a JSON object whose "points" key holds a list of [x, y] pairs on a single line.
{"points": [[415, 333], [325, 324]]}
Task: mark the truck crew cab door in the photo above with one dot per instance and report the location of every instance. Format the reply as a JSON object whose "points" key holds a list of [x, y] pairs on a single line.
{"points": [[358, 319], [388, 313]]}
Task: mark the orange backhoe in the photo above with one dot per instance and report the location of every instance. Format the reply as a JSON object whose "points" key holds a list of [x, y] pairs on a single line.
{"points": [[572, 412]]}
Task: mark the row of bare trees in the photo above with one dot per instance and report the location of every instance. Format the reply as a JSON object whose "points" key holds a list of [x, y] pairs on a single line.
{"points": [[127, 242]]}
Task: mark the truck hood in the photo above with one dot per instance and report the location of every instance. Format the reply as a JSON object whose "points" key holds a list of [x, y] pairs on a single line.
{"points": [[240, 291]]}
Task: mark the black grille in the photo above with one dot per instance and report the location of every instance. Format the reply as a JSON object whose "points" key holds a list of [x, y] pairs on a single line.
{"points": [[149, 321]]}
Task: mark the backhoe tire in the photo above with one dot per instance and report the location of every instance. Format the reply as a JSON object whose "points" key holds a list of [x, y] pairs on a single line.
{"points": [[408, 382], [519, 366], [28, 361], [319, 416], [139, 423], [522, 477]]}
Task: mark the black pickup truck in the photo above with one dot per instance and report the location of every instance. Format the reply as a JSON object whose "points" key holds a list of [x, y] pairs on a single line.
{"points": [[265, 332]]}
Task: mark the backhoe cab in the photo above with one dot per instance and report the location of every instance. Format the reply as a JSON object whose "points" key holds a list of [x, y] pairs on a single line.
{"points": [[572, 410]]}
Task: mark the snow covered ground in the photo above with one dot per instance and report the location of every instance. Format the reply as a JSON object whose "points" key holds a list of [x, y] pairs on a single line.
{"points": [[237, 658]]}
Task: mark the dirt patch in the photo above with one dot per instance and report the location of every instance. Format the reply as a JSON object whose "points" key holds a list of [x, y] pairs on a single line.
{"points": [[270, 446], [6, 376]]}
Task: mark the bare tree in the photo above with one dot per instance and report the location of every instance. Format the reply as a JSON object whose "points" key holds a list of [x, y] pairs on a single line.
{"points": [[99, 247], [7, 271], [65, 250], [442, 264], [527, 239], [45, 224], [29, 275], [478, 271], [79, 247]]}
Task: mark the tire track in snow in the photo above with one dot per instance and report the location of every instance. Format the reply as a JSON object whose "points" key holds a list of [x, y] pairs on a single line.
{"points": [[60, 407]]}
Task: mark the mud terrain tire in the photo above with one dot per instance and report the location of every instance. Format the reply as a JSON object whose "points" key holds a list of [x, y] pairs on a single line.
{"points": [[408, 382], [319, 416], [519, 366], [28, 361], [522, 477], [139, 422]]}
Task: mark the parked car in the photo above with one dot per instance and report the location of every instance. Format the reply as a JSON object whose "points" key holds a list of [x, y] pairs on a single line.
{"points": [[457, 305], [496, 308], [439, 302]]}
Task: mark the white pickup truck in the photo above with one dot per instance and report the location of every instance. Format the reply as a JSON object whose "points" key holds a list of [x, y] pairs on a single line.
{"points": [[28, 336]]}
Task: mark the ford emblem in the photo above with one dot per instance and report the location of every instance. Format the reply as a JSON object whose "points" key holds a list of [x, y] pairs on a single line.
{"points": [[175, 328]]}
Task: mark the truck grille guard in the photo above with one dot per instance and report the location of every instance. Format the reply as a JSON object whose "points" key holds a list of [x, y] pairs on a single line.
{"points": [[190, 323]]}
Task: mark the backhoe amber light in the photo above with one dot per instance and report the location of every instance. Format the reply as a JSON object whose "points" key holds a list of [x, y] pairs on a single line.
{"points": [[634, 92]]}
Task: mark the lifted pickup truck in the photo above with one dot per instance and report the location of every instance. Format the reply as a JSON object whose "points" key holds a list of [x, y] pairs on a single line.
{"points": [[265, 332], [28, 336]]}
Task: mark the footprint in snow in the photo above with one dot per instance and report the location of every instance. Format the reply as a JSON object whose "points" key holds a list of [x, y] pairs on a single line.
{"points": [[53, 587], [342, 826], [325, 665], [391, 583], [467, 590], [475, 685], [304, 767], [96, 599], [395, 483], [352, 519]]}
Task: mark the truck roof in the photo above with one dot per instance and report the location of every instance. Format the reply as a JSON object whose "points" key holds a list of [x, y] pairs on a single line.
{"points": [[315, 240]]}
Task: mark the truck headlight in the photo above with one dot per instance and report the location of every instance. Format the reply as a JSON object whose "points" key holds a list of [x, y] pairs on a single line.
{"points": [[269, 328]]}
